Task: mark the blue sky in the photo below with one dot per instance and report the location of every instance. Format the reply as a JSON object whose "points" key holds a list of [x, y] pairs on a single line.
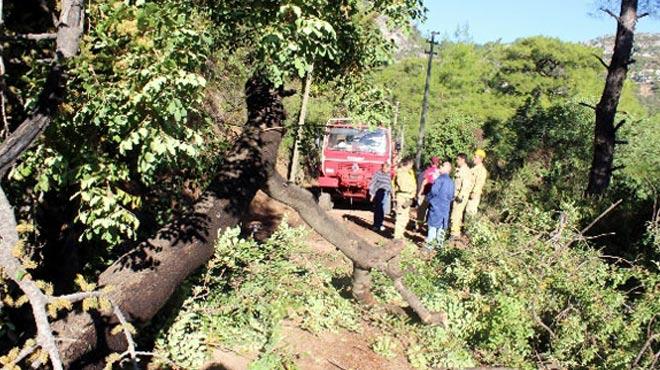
{"points": [[489, 20]]}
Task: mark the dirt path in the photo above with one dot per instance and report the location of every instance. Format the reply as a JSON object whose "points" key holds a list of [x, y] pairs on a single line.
{"points": [[343, 349]]}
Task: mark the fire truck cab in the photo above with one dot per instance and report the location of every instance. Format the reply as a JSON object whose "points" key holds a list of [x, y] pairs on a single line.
{"points": [[351, 154]]}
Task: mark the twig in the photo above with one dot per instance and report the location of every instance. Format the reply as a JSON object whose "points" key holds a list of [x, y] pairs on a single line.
{"points": [[643, 350], [618, 125], [15, 271], [603, 214], [273, 128], [333, 362], [600, 59], [564, 312], [540, 322], [125, 327], [656, 357], [29, 37], [618, 19], [25, 352], [587, 105], [598, 236], [76, 297], [556, 234]]}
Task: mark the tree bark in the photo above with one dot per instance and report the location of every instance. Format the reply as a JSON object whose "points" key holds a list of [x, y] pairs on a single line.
{"points": [[605, 131], [69, 32], [143, 280], [365, 256], [295, 157]]}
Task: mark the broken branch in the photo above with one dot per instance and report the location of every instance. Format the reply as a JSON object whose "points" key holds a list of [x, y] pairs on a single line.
{"points": [[364, 255], [600, 59], [69, 32], [125, 327], [587, 105], [618, 125], [603, 214], [611, 14]]}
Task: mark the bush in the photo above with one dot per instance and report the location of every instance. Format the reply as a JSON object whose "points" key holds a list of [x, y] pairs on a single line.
{"points": [[521, 295]]}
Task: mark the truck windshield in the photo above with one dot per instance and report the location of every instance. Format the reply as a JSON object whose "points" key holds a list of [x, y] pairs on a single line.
{"points": [[356, 139]]}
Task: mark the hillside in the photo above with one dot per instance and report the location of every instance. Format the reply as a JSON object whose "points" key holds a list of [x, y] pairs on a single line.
{"points": [[646, 69]]}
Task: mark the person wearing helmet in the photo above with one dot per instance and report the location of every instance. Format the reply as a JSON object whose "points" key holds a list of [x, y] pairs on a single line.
{"points": [[479, 175], [464, 185]]}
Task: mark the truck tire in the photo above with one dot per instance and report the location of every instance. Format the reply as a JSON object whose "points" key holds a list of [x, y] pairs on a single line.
{"points": [[325, 202]]}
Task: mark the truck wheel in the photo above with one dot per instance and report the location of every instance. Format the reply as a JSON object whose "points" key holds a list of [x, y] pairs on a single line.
{"points": [[325, 201]]}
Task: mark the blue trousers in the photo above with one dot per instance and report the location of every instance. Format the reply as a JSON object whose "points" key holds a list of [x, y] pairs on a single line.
{"points": [[381, 206], [435, 237]]}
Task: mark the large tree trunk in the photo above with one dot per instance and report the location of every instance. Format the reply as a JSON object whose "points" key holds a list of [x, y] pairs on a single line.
{"points": [[143, 280], [605, 131], [365, 256]]}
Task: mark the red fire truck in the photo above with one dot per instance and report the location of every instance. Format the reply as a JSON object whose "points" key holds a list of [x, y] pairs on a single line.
{"points": [[351, 154]]}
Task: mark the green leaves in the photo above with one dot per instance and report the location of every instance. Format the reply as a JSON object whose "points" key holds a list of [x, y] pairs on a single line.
{"points": [[246, 293], [289, 36]]}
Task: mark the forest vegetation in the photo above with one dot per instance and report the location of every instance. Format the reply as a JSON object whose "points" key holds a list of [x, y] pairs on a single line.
{"points": [[136, 134]]}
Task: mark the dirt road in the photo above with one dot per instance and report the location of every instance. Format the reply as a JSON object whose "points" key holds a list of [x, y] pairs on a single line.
{"points": [[343, 349]]}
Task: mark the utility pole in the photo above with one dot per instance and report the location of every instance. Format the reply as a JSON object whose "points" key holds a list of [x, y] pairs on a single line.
{"points": [[425, 106], [399, 127], [293, 169]]}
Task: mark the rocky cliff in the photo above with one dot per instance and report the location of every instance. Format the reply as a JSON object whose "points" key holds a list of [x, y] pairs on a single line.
{"points": [[646, 69]]}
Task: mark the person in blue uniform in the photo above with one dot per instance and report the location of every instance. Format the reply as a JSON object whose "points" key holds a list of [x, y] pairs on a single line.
{"points": [[440, 198]]}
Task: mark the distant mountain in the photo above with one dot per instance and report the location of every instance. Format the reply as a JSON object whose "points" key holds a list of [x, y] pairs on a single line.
{"points": [[646, 69]]}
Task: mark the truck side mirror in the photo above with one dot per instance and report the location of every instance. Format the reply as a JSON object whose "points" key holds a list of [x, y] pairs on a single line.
{"points": [[397, 146]]}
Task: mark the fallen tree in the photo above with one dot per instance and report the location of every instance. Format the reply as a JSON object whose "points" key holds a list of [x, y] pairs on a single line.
{"points": [[141, 281]]}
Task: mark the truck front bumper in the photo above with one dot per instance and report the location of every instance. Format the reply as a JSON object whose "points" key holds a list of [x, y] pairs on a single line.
{"points": [[328, 182]]}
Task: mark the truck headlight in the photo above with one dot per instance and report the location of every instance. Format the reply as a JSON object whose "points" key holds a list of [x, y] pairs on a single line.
{"points": [[330, 170]]}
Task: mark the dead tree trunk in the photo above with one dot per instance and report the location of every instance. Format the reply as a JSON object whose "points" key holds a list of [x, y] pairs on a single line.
{"points": [[69, 32], [365, 256], [605, 130], [143, 280]]}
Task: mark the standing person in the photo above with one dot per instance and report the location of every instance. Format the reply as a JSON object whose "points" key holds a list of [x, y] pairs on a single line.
{"points": [[463, 183], [380, 189], [405, 186], [479, 175], [428, 176], [440, 198]]}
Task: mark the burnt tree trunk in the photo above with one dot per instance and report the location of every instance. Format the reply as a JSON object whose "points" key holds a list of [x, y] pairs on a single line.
{"points": [[605, 130], [144, 279]]}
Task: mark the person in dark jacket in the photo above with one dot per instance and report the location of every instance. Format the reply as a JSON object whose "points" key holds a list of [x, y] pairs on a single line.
{"points": [[440, 198], [380, 190]]}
